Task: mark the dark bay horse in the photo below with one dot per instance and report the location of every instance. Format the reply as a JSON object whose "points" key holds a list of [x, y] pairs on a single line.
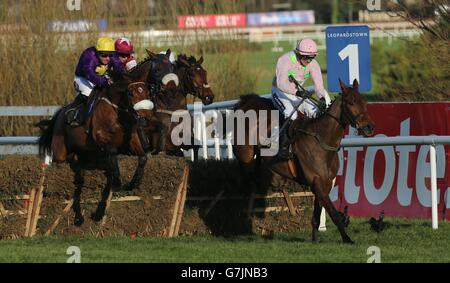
{"points": [[193, 80], [315, 146], [110, 128]]}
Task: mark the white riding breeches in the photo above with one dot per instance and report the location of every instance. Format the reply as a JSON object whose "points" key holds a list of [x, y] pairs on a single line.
{"points": [[83, 86], [287, 103]]}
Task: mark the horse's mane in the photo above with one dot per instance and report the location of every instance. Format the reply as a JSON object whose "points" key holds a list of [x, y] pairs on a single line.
{"points": [[140, 63], [306, 121], [246, 98], [190, 59]]}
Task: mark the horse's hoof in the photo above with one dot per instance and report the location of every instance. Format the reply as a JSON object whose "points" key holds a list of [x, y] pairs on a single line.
{"points": [[78, 221], [96, 217], [128, 187], [349, 241], [116, 189], [117, 184]]}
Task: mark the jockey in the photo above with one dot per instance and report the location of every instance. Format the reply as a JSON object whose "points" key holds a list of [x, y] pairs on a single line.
{"points": [[300, 64], [124, 50], [91, 72]]}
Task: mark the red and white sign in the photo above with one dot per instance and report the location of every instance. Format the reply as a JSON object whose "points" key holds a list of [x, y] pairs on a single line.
{"points": [[396, 179], [212, 21]]}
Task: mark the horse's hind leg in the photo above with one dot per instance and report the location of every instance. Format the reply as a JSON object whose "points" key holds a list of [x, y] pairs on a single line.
{"points": [[322, 194], [79, 183], [315, 220]]}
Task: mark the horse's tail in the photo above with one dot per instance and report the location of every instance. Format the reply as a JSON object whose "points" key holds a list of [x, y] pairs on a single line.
{"points": [[45, 139], [244, 99]]}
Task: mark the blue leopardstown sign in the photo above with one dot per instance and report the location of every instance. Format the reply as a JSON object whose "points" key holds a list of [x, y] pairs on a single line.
{"points": [[348, 56]]}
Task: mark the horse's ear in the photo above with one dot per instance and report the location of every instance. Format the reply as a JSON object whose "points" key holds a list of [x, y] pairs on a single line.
{"points": [[200, 61], [344, 87], [150, 54], [355, 84], [184, 61], [168, 52]]}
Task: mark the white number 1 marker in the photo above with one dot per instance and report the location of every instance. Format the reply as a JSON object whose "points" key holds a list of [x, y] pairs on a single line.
{"points": [[351, 51]]}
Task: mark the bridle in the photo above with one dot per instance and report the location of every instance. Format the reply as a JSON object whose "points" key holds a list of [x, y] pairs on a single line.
{"points": [[129, 93], [345, 114]]}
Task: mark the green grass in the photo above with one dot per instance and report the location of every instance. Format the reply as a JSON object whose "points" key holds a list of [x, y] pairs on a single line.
{"points": [[402, 241]]}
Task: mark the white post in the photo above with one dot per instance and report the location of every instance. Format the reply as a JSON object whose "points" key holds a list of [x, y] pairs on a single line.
{"points": [[191, 153], [204, 140], [216, 147], [434, 206], [47, 160], [229, 137], [215, 116]]}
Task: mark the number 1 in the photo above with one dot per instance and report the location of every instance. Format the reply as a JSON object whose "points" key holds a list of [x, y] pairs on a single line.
{"points": [[351, 51]]}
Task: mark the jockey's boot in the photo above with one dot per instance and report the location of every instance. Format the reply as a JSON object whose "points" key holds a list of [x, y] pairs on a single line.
{"points": [[76, 114], [142, 123], [284, 142]]}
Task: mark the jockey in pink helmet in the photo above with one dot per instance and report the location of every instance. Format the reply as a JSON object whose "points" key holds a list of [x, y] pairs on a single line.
{"points": [[301, 64], [124, 50]]}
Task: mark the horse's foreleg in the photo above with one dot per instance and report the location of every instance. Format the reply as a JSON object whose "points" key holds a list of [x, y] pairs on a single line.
{"points": [[113, 169], [101, 208], [112, 181], [137, 177], [315, 220], [324, 199]]}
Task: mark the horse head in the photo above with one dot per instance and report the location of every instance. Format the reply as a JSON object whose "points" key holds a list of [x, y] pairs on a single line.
{"points": [[195, 78], [162, 75], [354, 109]]}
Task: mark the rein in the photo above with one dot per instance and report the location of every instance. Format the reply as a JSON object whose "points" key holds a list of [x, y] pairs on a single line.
{"points": [[319, 140], [115, 106]]}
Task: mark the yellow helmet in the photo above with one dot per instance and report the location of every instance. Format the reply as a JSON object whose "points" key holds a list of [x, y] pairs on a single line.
{"points": [[105, 44]]}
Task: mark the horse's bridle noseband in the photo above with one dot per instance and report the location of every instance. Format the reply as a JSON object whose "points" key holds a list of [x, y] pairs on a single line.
{"points": [[345, 113]]}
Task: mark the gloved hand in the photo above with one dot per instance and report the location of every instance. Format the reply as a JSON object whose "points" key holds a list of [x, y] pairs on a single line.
{"points": [[110, 82], [322, 104], [300, 93]]}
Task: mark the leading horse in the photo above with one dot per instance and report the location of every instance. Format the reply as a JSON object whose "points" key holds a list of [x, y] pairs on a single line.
{"points": [[315, 146]]}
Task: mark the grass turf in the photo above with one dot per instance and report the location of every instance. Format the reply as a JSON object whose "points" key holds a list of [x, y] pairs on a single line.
{"points": [[401, 241]]}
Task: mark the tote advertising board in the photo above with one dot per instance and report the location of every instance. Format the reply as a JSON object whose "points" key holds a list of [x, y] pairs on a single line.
{"points": [[396, 179]]}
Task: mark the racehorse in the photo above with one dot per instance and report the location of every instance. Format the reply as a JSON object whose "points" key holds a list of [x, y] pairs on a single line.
{"points": [[193, 79], [315, 146], [111, 127]]}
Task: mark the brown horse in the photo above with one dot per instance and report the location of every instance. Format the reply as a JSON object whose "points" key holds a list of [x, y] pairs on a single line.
{"points": [[315, 146], [193, 79], [111, 127]]}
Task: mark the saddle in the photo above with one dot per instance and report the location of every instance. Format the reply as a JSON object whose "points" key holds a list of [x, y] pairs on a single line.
{"points": [[78, 111]]}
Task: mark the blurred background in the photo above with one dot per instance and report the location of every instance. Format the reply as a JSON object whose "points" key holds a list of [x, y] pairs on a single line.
{"points": [[240, 41]]}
